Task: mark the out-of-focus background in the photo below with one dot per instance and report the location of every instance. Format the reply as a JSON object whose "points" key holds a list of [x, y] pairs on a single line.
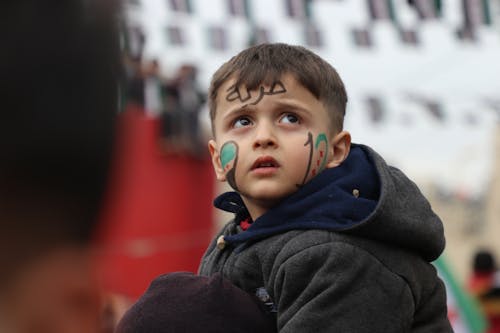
{"points": [[423, 79]]}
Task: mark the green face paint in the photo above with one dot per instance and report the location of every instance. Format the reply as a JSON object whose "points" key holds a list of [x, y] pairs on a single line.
{"points": [[228, 153], [228, 160], [322, 138], [314, 167]]}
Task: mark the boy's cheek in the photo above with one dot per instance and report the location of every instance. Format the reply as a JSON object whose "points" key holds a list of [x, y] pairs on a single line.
{"points": [[228, 162], [228, 155], [321, 148], [317, 154]]}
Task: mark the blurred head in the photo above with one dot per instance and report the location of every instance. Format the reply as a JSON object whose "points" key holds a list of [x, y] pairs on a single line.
{"points": [[58, 99], [267, 63], [59, 66], [184, 302], [484, 262]]}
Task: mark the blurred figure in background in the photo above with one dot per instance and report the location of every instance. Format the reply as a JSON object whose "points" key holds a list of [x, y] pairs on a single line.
{"points": [[483, 270], [183, 102], [153, 86], [134, 83], [59, 65], [134, 41], [484, 284]]}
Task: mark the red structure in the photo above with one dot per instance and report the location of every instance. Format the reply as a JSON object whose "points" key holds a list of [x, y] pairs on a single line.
{"points": [[159, 213]]}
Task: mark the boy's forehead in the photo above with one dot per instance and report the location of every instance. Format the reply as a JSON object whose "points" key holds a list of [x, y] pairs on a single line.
{"points": [[243, 82], [233, 94], [285, 91], [234, 91]]}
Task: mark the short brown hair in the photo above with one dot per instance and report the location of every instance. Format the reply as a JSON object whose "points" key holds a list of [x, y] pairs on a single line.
{"points": [[266, 63]]}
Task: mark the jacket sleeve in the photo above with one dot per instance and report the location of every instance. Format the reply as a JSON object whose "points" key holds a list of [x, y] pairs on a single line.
{"points": [[337, 287]]}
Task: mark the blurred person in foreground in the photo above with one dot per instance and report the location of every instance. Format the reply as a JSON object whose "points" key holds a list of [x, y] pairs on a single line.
{"points": [[59, 64]]}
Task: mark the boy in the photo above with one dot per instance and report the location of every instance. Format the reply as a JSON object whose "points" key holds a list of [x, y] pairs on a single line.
{"points": [[333, 238]]}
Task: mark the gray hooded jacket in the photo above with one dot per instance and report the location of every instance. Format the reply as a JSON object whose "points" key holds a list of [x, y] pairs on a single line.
{"points": [[348, 252]]}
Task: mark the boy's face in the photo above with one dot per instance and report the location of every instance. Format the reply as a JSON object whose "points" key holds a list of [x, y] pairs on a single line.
{"points": [[272, 140]]}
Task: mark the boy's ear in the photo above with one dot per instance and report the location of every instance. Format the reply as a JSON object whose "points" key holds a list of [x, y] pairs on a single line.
{"points": [[339, 149], [215, 154]]}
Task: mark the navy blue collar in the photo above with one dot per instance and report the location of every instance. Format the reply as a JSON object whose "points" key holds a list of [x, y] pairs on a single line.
{"points": [[336, 199]]}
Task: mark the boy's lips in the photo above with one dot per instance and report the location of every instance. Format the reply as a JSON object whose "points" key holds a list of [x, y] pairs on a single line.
{"points": [[265, 162]]}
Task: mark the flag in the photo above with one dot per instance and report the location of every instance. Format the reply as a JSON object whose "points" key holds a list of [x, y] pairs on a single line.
{"points": [[463, 310]]}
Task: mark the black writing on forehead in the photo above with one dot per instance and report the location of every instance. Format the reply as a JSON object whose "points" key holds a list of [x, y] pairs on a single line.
{"points": [[234, 93]]}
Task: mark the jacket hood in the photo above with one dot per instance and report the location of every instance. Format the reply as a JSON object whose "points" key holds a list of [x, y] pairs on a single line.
{"points": [[363, 197]]}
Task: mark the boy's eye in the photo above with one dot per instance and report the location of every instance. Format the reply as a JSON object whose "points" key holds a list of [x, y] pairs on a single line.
{"points": [[289, 119], [242, 122]]}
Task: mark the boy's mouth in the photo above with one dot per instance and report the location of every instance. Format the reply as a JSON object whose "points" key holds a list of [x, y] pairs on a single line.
{"points": [[265, 162]]}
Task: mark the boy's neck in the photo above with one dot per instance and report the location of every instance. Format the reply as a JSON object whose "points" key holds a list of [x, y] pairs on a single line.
{"points": [[256, 209]]}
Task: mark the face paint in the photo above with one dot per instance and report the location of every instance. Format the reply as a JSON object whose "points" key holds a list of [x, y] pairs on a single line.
{"points": [[228, 153], [321, 145], [228, 160], [309, 143], [234, 93]]}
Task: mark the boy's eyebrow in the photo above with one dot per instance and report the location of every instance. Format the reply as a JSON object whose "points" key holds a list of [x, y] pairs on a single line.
{"points": [[280, 105], [237, 110], [292, 106]]}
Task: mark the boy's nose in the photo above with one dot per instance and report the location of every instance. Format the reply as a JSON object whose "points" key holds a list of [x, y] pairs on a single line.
{"points": [[264, 137]]}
